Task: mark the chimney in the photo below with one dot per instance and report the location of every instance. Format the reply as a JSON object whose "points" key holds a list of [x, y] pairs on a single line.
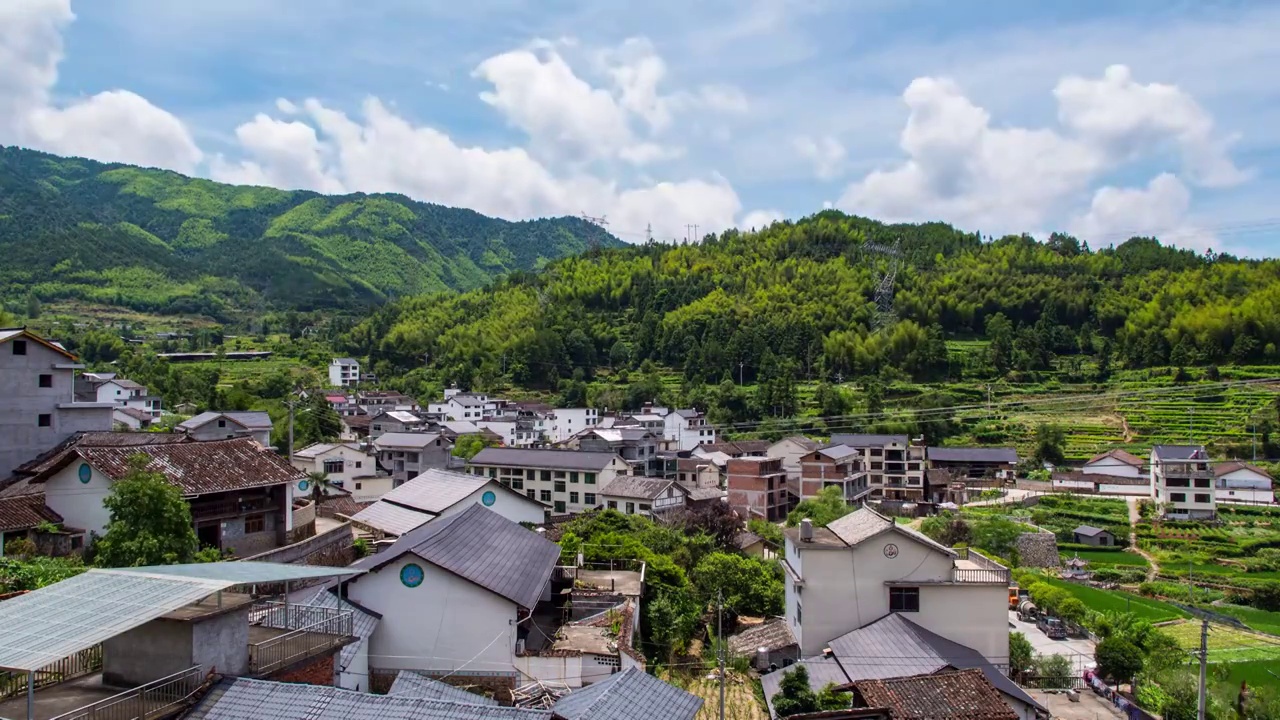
{"points": [[806, 530]]}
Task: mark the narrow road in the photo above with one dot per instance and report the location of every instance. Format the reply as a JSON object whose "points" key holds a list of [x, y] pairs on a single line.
{"points": [[1134, 518]]}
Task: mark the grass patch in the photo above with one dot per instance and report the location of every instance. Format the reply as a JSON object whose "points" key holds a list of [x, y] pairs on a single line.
{"points": [[1119, 601], [1226, 645], [1260, 620], [1259, 673], [1102, 558], [741, 697]]}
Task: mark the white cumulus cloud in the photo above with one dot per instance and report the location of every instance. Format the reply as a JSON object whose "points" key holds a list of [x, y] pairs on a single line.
{"points": [[826, 154], [1157, 210]]}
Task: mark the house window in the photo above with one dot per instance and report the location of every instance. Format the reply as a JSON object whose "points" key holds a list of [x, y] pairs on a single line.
{"points": [[573, 477], [546, 476], [613, 504], [517, 483], [359, 486], [530, 494], [1177, 497], [644, 507], [46, 381], [493, 472], [559, 486], [223, 423], [631, 508], [532, 474], [589, 499], [559, 506], [799, 613], [19, 347], [1202, 497], [357, 464], [44, 420], [573, 498], [376, 426], [333, 466], [255, 524], [904, 599], [544, 495], [589, 478]]}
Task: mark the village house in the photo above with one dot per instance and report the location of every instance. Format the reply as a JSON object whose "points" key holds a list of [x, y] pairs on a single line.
{"points": [[633, 495], [686, 429], [514, 430], [124, 393], [1182, 481], [975, 462], [442, 493], [241, 494], [22, 516], [945, 695], [394, 421], [374, 401], [1241, 482], [344, 372], [1089, 535], [895, 466], [757, 488], [223, 425], [734, 448], [346, 465], [37, 381], [567, 481], [837, 465], [790, 450], [567, 422], [637, 446], [1117, 463], [127, 418], [406, 455], [355, 427]]}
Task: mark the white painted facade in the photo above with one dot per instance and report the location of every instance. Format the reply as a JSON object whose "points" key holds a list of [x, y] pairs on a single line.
{"points": [[344, 372], [510, 505], [564, 490], [514, 433], [1244, 485], [686, 433], [840, 589], [78, 502], [341, 462], [567, 422], [1184, 487], [438, 625], [1126, 490], [790, 452], [1111, 466]]}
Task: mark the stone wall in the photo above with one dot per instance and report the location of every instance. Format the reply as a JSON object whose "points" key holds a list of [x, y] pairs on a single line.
{"points": [[1038, 550], [334, 548]]}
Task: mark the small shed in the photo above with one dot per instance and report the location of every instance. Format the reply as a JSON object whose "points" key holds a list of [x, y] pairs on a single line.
{"points": [[1089, 535]]}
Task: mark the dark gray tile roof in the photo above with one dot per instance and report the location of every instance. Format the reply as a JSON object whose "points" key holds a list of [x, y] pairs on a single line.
{"points": [[773, 633], [893, 646], [410, 684], [859, 525], [1180, 452], [436, 490], [866, 440], [549, 459], [973, 454], [1088, 530], [483, 547], [640, 488], [247, 699], [631, 694], [821, 672], [251, 419]]}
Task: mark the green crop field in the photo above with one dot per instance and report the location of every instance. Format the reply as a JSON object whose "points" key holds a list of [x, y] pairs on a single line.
{"points": [[1259, 673], [1119, 601], [1226, 644], [1261, 620]]}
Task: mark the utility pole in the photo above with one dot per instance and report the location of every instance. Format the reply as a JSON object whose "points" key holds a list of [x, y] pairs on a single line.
{"points": [[740, 364], [1204, 660], [290, 405], [720, 639]]}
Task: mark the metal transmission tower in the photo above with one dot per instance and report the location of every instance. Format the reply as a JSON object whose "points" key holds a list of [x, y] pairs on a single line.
{"points": [[884, 289], [601, 222]]}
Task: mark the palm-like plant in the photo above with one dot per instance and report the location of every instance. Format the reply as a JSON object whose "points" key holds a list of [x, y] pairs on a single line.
{"points": [[320, 484]]}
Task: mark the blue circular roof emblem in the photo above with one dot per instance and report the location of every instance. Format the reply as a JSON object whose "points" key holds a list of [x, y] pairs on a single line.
{"points": [[303, 485], [411, 575], [488, 498], [85, 472]]}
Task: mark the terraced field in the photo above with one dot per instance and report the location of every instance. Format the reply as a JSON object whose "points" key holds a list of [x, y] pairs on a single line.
{"points": [[1226, 644], [1118, 601]]}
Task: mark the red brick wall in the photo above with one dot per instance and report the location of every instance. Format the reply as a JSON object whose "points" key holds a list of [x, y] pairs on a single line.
{"points": [[314, 672]]}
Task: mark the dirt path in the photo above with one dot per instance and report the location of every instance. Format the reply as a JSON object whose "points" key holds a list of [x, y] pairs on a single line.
{"points": [[1134, 518]]}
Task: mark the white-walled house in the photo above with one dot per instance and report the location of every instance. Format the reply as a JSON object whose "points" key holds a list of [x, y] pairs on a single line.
{"points": [[223, 425], [1242, 482], [687, 429], [454, 595], [567, 481], [1182, 481], [567, 422], [344, 372], [1115, 462], [790, 450], [443, 493], [864, 566], [348, 466], [121, 392], [631, 495]]}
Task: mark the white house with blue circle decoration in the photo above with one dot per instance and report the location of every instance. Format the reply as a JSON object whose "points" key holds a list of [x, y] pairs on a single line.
{"points": [[442, 493]]}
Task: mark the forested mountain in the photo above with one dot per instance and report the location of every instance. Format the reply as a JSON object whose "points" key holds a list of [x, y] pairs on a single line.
{"points": [[157, 241], [796, 301]]}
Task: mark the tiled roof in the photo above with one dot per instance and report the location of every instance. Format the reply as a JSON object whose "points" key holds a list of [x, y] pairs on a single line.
{"points": [[550, 459], [738, 447], [316, 449], [746, 539], [55, 455], [357, 422], [902, 648], [405, 440], [838, 452], [640, 488], [344, 361], [24, 512], [959, 695], [341, 505], [128, 384], [700, 494], [807, 443], [390, 518], [1123, 456], [7, 334], [252, 420], [973, 454], [197, 468], [481, 546], [248, 699], [866, 440], [134, 413], [1088, 531], [631, 694], [1179, 452], [773, 634], [410, 684], [1229, 467], [859, 525], [435, 490]]}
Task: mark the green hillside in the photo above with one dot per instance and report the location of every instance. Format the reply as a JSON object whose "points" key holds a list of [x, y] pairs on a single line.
{"points": [[156, 241]]}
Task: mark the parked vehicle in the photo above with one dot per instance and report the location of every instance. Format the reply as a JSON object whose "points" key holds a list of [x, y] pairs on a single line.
{"points": [[1013, 596], [1052, 627], [1027, 611]]}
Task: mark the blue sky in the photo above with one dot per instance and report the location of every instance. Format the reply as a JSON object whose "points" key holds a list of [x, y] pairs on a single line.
{"points": [[1102, 119]]}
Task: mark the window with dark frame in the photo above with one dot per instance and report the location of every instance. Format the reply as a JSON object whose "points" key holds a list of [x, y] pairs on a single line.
{"points": [[255, 524], [44, 420], [904, 599], [46, 380], [19, 347]]}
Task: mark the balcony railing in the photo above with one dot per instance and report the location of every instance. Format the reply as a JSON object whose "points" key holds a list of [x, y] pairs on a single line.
{"points": [[154, 700], [85, 662], [311, 630], [978, 568]]}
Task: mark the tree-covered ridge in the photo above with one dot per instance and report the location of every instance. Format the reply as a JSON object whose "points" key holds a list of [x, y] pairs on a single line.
{"points": [[797, 300], [157, 241]]}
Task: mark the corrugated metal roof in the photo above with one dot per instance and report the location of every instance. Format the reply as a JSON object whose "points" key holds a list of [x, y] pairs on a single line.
{"points": [[893, 646], [483, 547], [196, 468], [550, 459], [410, 684], [363, 622], [1179, 452], [247, 699], [390, 519], [243, 572], [1123, 456], [973, 454], [1088, 530], [46, 625], [631, 694], [822, 671]]}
